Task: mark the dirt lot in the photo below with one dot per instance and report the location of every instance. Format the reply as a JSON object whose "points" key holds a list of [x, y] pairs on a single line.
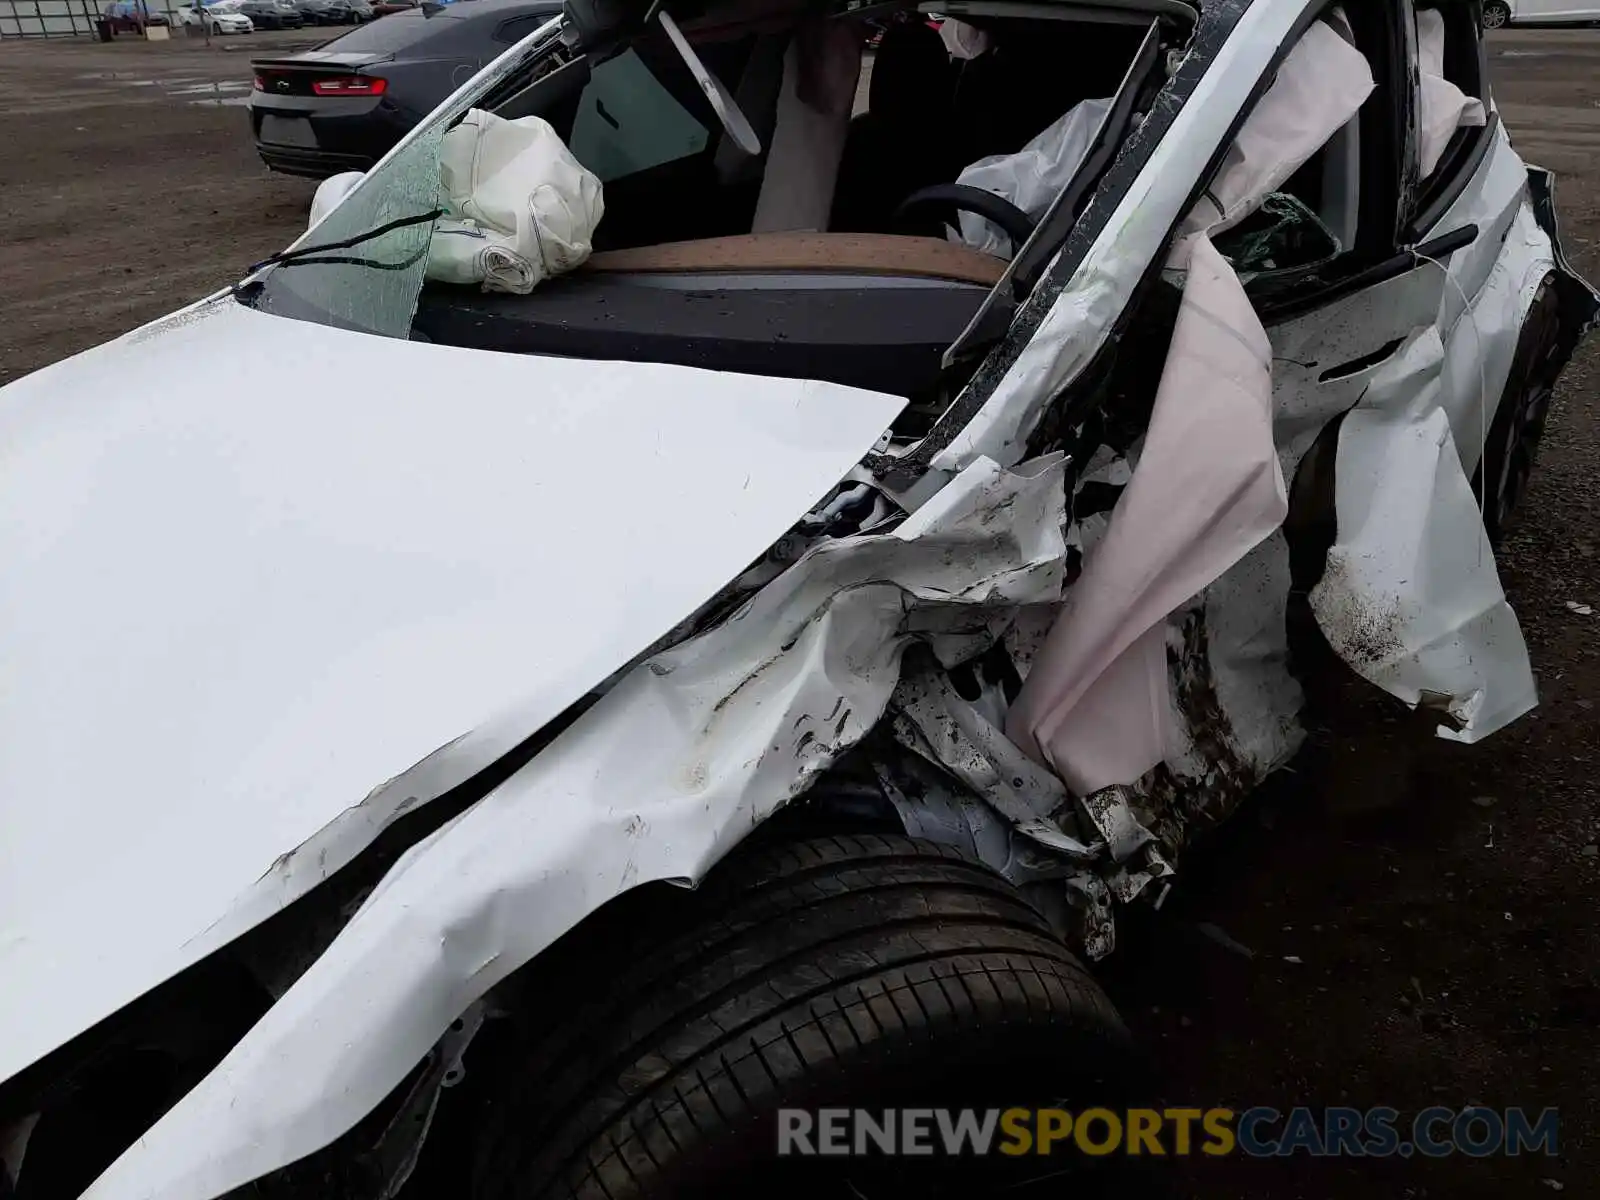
{"points": [[1424, 925], [128, 185]]}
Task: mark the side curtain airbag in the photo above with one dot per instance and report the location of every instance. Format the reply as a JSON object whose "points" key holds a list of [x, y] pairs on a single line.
{"points": [[1208, 487]]}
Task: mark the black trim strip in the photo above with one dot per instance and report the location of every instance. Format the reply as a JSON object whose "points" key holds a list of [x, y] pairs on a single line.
{"points": [[1462, 174], [1407, 259]]}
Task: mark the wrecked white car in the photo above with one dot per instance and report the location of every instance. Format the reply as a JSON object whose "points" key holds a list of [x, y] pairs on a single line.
{"points": [[740, 643]]}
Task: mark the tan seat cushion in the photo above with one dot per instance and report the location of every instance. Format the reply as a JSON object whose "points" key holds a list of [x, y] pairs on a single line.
{"points": [[852, 253]]}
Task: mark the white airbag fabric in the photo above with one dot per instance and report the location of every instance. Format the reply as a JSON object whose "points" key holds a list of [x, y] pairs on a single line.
{"points": [[519, 207], [1095, 705], [1321, 85], [820, 72], [1208, 488], [1033, 176], [1444, 107], [963, 42]]}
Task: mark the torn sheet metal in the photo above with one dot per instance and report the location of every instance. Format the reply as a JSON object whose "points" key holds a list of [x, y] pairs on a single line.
{"points": [[715, 734], [1097, 704], [260, 612], [1237, 703], [1411, 598], [1487, 292], [955, 735]]}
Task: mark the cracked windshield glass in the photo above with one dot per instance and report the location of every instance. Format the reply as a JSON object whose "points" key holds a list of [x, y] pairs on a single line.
{"points": [[371, 283]]}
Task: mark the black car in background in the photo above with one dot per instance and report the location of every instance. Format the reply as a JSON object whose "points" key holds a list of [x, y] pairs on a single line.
{"points": [[334, 12], [341, 106], [271, 14]]}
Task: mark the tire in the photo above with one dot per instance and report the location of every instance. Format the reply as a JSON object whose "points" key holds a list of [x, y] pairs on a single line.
{"points": [[1512, 445], [1496, 15], [861, 971]]}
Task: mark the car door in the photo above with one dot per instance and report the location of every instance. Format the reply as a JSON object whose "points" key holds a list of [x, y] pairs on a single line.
{"points": [[1404, 367], [1553, 10], [1351, 357], [1335, 323]]}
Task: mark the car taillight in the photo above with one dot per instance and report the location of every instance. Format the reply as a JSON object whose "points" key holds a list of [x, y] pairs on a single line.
{"points": [[351, 85], [260, 84]]}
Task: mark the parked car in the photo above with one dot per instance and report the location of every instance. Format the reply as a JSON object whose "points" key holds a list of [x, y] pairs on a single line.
{"points": [[132, 16], [217, 19], [387, 8], [342, 106], [271, 14], [528, 743], [1498, 13], [334, 12]]}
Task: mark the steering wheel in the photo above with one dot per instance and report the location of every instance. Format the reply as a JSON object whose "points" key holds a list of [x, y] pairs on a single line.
{"points": [[1016, 224]]}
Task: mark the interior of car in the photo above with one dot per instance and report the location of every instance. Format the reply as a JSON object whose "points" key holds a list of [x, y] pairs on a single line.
{"points": [[834, 252]]}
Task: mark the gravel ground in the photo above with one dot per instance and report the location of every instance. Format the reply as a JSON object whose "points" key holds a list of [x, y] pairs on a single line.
{"points": [[1439, 900]]}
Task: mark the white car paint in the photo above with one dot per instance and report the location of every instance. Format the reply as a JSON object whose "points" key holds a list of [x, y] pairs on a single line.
{"points": [[659, 780], [388, 443], [287, 602], [221, 17], [1555, 12]]}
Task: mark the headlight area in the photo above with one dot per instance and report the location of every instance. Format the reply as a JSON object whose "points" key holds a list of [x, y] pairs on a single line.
{"points": [[70, 1115]]}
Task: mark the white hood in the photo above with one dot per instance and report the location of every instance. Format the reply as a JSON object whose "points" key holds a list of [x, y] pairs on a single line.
{"points": [[268, 584]]}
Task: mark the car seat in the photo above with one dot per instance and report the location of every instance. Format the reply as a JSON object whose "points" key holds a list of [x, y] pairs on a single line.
{"points": [[903, 141], [1034, 72], [821, 74]]}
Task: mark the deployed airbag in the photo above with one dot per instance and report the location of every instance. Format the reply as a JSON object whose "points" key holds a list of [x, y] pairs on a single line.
{"points": [[519, 207], [1096, 707], [1444, 107], [1033, 176]]}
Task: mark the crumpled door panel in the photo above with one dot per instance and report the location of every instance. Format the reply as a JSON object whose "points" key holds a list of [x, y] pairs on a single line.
{"points": [[1410, 597]]}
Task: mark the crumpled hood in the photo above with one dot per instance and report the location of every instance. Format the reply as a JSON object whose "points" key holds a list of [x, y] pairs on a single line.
{"points": [[268, 584]]}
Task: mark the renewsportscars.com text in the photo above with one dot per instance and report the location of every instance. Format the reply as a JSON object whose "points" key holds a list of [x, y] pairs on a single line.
{"points": [[1259, 1132]]}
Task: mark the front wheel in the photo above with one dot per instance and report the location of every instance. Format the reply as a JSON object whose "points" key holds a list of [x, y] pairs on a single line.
{"points": [[1496, 15], [876, 974]]}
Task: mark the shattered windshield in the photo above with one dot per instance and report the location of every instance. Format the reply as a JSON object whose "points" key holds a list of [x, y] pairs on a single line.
{"points": [[372, 283], [760, 142]]}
